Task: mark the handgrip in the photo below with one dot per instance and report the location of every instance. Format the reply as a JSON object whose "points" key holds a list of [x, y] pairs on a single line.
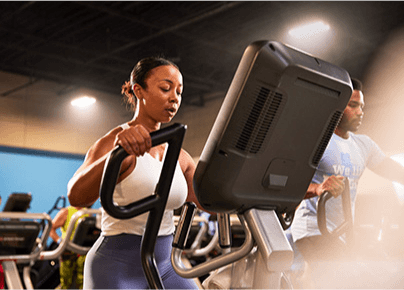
{"points": [[347, 224], [173, 135], [184, 225], [321, 217], [224, 228]]}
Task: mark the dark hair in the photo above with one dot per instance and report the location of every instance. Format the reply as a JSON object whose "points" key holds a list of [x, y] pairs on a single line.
{"points": [[139, 75], [356, 84]]}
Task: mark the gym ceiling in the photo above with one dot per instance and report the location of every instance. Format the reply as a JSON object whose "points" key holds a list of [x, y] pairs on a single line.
{"points": [[96, 44]]}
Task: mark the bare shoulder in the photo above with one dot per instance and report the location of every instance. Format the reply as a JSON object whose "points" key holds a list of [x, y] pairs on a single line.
{"points": [[63, 211], [103, 145], [100, 148], [60, 217], [186, 161]]}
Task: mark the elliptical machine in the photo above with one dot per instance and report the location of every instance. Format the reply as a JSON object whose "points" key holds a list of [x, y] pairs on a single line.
{"points": [[264, 147], [257, 163]]}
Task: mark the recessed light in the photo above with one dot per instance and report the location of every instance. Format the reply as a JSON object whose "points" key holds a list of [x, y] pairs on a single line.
{"points": [[309, 30], [83, 102]]}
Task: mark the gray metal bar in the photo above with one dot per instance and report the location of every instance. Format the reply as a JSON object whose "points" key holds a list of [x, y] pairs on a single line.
{"points": [[11, 275], [27, 277], [40, 241], [66, 243], [199, 252], [271, 239]]}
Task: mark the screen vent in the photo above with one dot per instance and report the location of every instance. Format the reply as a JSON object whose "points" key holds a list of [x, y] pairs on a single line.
{"points": [[326, 138], [255, 127]]}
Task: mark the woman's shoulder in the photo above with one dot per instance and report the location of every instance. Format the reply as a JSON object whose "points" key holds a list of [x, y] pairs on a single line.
{"points": [[186, 156], [186, 160], [104, 144]]}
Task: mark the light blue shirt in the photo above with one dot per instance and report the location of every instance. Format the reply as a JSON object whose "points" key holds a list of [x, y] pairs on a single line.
{"points": [[345, 157]]}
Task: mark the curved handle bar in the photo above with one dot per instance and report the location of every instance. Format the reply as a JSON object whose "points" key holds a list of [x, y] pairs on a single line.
{"points": [[199, 252], [63, 198], [347, 224], [174, 136], [215, 263], [321, 217], [66, 243], [55, 205], [156, 203]]}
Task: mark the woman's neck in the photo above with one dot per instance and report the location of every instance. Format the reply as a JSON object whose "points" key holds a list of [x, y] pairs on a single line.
{"points": [[148, 124]]}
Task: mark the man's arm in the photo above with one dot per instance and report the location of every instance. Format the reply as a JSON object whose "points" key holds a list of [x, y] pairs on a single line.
{"points": [[391, 170], [333, 184]]}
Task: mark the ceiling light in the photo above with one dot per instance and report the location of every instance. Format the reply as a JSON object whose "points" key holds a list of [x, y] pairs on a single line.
{"points": [[83, 102], [309, 30]]}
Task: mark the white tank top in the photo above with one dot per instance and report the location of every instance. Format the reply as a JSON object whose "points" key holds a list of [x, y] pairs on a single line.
{"points": [[139, 184]]}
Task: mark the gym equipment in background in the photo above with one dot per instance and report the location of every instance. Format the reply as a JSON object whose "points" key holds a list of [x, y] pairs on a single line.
{"points": [[22, 242], [18, 202]]}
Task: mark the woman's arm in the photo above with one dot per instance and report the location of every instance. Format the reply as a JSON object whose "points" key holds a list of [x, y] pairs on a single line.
{"points": [[188, 167], [84, 187], [57, 222]]}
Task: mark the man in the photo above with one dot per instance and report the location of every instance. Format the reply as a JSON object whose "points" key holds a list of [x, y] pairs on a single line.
{"points": [[347, 155]]}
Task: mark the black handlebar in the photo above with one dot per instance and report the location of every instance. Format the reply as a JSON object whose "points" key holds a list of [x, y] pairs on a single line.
{"points": [[347, 225], [156, 203], [174, 136], [56, 207]]}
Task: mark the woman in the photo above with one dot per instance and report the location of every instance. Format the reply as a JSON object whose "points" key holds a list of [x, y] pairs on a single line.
{"points": [[154, 91], [71, 264]]}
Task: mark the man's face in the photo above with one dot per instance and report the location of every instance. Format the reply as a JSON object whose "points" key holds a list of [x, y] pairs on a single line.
{"points": [[353, 113]]}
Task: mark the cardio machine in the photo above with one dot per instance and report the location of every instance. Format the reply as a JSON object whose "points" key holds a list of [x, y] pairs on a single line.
{"points": [[23, 237], [271, 131]]}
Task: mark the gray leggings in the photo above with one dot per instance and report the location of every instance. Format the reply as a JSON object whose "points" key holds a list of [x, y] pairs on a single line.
{"points": [[114, 263]]}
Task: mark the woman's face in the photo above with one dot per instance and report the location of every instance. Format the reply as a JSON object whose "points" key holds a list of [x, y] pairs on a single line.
{"points": [[161, 98]]}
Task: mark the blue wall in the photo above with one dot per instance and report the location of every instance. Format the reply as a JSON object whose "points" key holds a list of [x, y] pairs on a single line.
{"points": [[44, 174]]}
